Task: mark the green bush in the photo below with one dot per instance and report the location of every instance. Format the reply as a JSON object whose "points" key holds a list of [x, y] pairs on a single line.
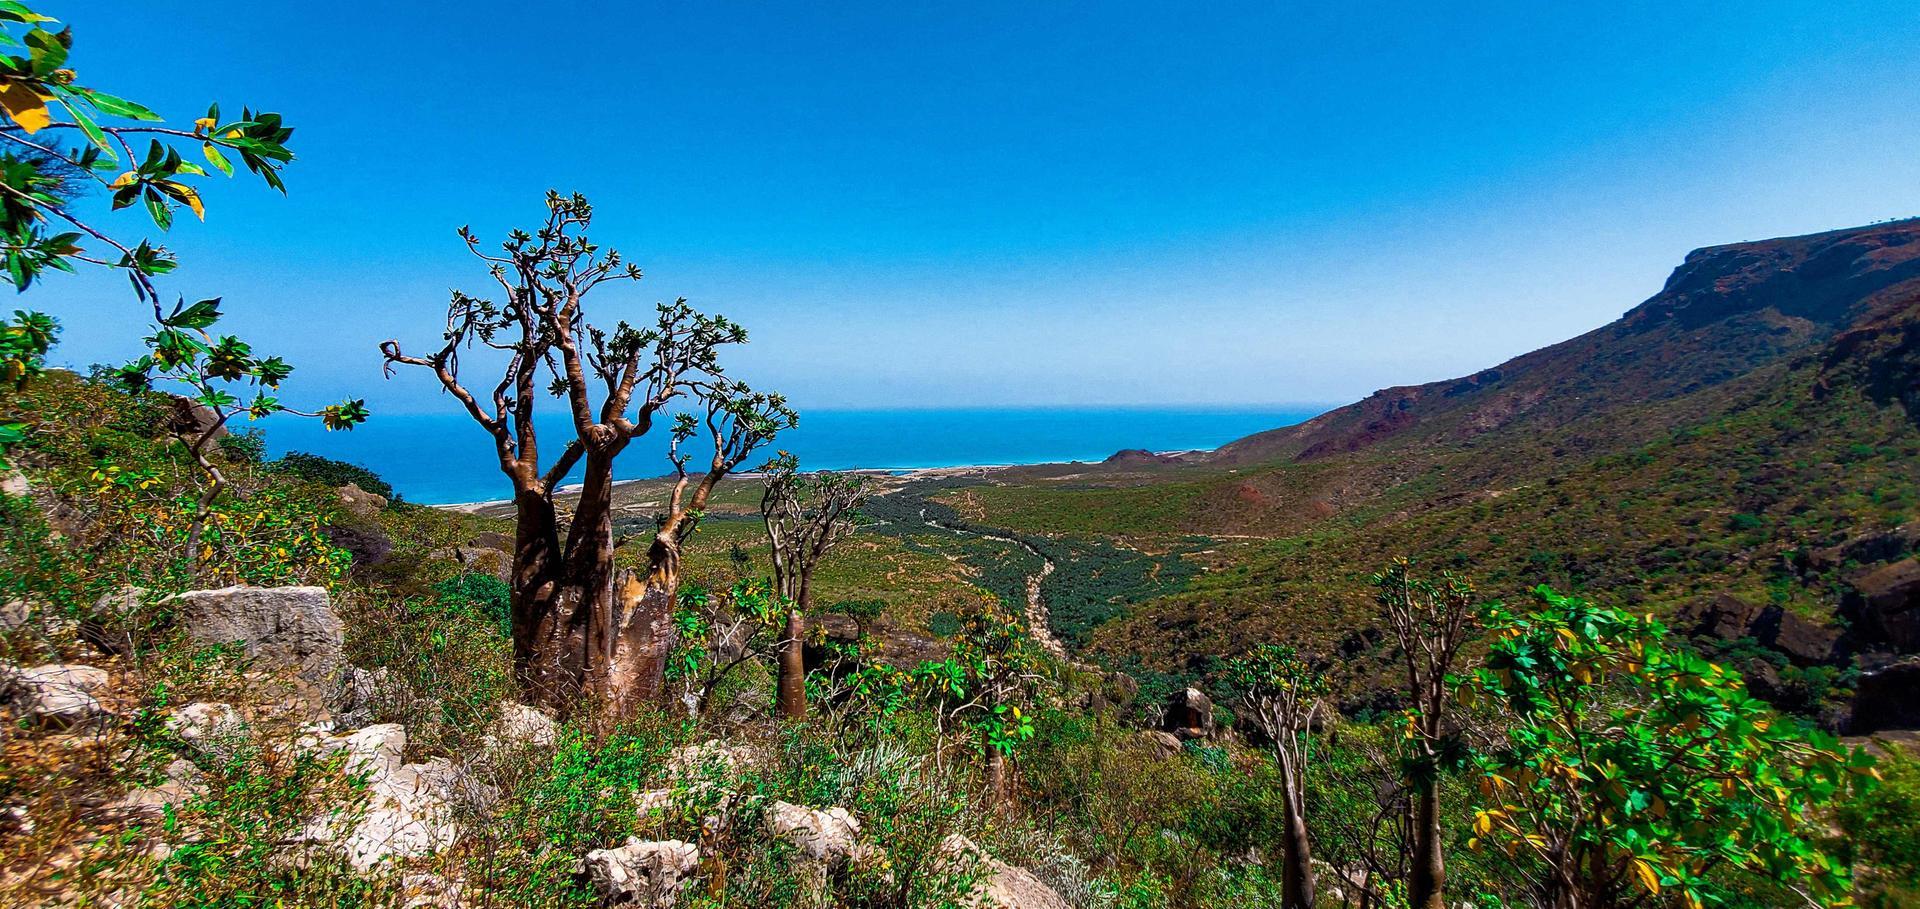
{"points": [[329, 472], [481, 596]]}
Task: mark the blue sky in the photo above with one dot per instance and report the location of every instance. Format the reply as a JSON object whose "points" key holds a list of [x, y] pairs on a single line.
{"points": [[986, 204]]}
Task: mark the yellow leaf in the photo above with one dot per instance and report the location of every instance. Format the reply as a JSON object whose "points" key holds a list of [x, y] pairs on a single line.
{"points": [[25, 106], [1482, 824], [1647, 877], [123, 180], [203, 124], [190, 196]]}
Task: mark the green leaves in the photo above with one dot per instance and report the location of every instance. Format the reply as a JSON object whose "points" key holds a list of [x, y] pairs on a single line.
{"points": [[1632, 764], [198, 316]]}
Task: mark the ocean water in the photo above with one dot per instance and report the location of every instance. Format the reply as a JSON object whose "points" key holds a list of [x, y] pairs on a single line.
{"points": [[445, 458]]}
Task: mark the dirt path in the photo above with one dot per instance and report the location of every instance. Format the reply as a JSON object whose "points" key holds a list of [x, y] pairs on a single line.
{"points": [[1039, 622]]}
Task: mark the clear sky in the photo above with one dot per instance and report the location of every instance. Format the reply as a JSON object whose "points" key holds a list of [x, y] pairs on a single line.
{"points": [[1020, 203]]}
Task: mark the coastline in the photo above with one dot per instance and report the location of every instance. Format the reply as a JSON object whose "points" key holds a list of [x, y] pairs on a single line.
{"points": [[905, 473]]}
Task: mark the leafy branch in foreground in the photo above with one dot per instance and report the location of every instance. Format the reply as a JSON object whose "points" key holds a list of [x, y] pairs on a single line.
{"points": [[1631, 769], [41, 179]]}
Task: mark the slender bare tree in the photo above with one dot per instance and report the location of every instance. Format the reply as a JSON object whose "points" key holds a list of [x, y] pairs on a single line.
{"points": [[805, 516], [1430, 622], [1283, 694], [579, 626]]}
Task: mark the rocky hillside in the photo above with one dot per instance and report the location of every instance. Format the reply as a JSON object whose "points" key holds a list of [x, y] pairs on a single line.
{"points": [[1724, 313]]}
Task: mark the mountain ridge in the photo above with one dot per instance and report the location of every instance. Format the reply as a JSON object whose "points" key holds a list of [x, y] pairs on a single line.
{"points": [[1725, 311]]}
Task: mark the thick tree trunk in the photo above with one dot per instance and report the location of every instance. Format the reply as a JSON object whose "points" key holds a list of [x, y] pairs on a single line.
{"points": [[793, 666], [580, 630], [1296, 864], [1427, 889], [540, 627], [996, 772]]}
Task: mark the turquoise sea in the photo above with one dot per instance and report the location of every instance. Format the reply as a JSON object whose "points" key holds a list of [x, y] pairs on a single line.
{"points": [[443, 458]]}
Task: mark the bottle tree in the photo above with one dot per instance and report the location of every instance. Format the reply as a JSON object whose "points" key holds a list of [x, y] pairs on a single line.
{"points": [[1283, 694], [1430, 621], [805, 516], [581, 628]]}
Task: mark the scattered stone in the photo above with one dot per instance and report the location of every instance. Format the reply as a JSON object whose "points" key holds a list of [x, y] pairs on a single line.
{"points": [[58, 695], [15, 615], [478, 560], [366, 693], [113, 623], [831, 836], [1164, 744], [642, 873], [702, 757], [522, 726], [426, 890], [14, 483], [291, 626], [1189, 714], [368, 545], [1002, 886], [207, 726], [180, 784], [360, 502], [409, 811], [492, 540]]}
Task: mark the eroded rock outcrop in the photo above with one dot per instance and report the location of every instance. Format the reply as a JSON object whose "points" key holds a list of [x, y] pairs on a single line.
{"points": [[59, 695], [294, 627], [642, 873], [410, 807]]}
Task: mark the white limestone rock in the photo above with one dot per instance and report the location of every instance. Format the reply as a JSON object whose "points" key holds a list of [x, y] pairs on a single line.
{"points": [[642, 873]]}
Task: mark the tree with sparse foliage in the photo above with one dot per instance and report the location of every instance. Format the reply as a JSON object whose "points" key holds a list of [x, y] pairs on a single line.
{"points": [[805, 517], [1634, 771], [580, 627], [1283, 694], [1430, 621]]}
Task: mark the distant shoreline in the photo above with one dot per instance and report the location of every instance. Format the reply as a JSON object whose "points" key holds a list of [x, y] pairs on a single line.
{"points": [[916, 473]]}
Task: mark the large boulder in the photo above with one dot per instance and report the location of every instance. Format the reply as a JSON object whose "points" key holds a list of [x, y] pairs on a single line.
{"points": [[831, 836], [57, 695], [360, 502], [642, 873], [294, 627], [1189, 714], [1729, 618], [1002, 886], [1887, 602], [1885, 699], [410, 807]]}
